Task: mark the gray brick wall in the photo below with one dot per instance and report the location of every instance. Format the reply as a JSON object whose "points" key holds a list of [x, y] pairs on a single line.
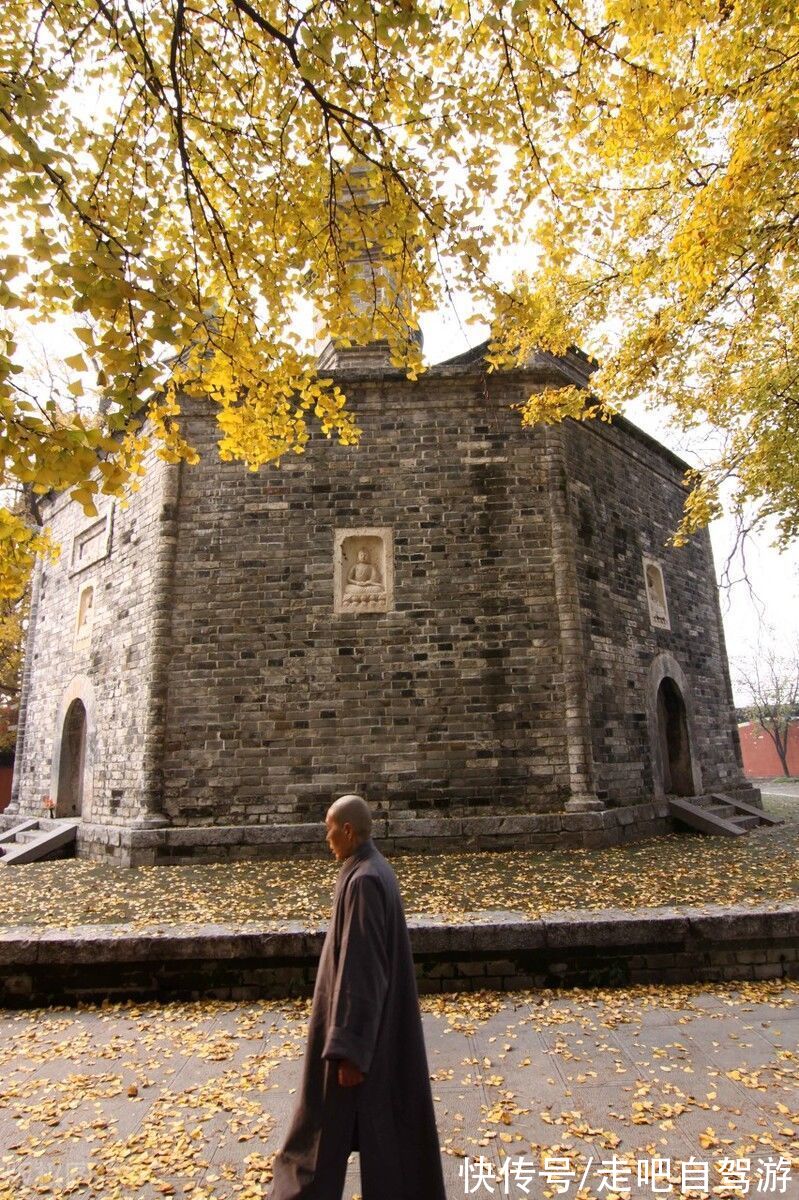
{"points": [[511, 676], [626, 497], [448, 703], [117, 661]]}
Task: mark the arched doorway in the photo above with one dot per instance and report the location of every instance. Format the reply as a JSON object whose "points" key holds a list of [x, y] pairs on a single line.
{"points": [[675, 745], [72, 762]]}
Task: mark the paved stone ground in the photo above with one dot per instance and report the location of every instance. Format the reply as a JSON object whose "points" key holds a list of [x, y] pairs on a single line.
{"points": [[788, 788], [147, 1100]]}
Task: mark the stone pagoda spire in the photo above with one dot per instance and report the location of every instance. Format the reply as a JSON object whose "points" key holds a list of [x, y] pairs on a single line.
{"points": [[369, 274]]}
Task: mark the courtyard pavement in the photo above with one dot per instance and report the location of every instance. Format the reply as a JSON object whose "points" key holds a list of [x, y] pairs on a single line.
{"points": [[785, 788], [566, 1088]]}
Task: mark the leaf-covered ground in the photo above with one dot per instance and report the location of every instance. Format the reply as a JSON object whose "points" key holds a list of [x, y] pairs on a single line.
{"points": [[192, 1100], [781, 798], [679, 869]]}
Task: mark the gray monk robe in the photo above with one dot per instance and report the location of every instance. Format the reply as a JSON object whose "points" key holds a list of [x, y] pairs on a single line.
{"points": [[365, 1008]]}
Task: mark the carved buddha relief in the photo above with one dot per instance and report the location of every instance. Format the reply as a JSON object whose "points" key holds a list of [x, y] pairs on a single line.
{"points": [[363, 570], [364, 582]]}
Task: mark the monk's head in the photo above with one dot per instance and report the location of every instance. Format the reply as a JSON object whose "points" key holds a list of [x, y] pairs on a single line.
{"points": [[349, 822]]}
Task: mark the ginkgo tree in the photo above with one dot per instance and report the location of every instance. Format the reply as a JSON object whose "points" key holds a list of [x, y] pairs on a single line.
{"points": [[175, 173]]}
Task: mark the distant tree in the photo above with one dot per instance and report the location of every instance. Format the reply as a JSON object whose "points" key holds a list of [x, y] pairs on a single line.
{"points": [[19, 544], [8, 732], [772, 680], [13, 618], [13, 621]]}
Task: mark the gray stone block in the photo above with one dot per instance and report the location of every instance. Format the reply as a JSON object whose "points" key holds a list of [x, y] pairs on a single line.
{"points": [[583, 821], [628, 816]]}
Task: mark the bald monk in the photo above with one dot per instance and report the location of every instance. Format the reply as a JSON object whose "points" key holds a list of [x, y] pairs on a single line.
{"points": [[365, 1083]]}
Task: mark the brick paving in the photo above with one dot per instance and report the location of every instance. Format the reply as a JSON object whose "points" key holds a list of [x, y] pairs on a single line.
{"points": [[192, 1099]]}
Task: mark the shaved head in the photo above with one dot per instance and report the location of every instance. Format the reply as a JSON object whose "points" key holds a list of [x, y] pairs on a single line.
{"points": [[355, 810]]}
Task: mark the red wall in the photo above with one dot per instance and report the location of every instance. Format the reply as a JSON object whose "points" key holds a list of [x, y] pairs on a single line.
{"points": [[760, 756], [6, 774]]}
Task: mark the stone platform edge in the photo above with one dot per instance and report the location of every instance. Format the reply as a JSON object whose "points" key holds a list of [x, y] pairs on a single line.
{"points": [[140, 846], [499, 950], [394, 835]]}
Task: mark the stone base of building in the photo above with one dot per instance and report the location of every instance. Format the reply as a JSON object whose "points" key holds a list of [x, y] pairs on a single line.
{"points": [[137, 847], [394, 835]]}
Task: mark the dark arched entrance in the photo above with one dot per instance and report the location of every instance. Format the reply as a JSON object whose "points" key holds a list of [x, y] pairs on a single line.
{"points": [[69, 800], [678, 779]]}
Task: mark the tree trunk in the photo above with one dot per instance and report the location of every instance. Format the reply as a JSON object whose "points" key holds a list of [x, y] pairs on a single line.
{"points": [[781, 746]]}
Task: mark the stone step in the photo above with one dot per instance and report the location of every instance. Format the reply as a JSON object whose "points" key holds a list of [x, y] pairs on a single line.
{"points": [[721, 810], [698, 816], [745, 822], [707, 801], [34, 840], [8, 836], [717, 813], [745, 809], [28, 835]]}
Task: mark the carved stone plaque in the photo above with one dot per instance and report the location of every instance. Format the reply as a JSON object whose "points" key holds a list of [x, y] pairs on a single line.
{"points": [[92, 543], [363, 571], [85, 617], [656, 595]]}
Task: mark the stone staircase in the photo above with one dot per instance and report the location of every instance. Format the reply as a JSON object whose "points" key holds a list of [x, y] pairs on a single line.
{"points": [[719, 814], [35, 839]]}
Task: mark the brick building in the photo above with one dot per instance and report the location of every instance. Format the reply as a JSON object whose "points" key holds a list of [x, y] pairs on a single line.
{"points": [[479, 627]]}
